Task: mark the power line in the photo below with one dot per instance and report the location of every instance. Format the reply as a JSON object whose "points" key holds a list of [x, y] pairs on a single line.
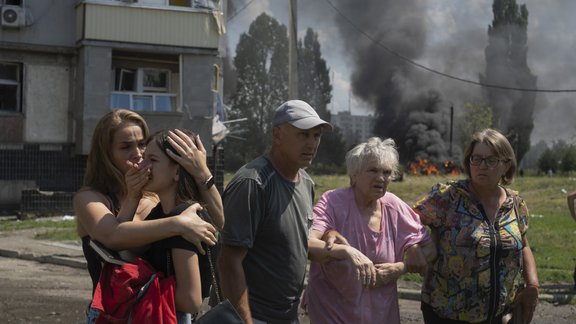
{"points": [[402, 57], [239, 10]]}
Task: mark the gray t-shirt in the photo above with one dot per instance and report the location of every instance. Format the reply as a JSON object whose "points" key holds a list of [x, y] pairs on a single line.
{"points": [[270, 216]]}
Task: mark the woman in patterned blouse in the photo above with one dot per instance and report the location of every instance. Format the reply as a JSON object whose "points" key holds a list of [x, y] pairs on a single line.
{"points": [[485, 266]]}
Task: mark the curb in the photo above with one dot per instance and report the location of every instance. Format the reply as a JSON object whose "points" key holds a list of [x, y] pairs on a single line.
{"points": [[558, 298], [52, 259], [403, 293]]}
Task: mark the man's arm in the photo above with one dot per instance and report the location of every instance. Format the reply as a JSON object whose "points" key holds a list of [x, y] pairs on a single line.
{"points": [[233, 280], [571, 196]]}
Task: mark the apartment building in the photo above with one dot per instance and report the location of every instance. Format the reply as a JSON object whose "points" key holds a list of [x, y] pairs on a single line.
{"points": [[355, 128], [65, 63]]}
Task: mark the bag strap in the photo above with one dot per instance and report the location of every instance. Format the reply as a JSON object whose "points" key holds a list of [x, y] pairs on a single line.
{"points": [[169, 262], [213, 273]]}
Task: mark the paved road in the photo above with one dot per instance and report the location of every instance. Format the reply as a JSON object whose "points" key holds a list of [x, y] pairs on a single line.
{"points": [[58, 290], [34, 292]]}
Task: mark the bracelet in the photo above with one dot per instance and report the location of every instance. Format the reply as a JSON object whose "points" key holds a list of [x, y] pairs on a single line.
{"points": [[532, 285], [208, 183]]}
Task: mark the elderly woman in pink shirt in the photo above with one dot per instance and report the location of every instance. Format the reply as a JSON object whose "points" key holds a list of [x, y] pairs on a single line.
{"points": [[355, 282]]}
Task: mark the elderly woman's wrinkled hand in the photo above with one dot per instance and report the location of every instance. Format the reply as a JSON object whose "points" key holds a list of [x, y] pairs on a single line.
{"points": [[365, 269], [198, 230], [388, 272]]}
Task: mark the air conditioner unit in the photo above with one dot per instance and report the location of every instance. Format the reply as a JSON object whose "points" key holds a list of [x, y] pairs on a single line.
{"points": [[13, 16]]}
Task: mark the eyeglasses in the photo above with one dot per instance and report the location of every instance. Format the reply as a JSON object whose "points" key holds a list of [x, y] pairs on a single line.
{"points": [[491, 161]]}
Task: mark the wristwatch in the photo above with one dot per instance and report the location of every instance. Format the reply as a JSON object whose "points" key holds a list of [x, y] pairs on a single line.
{"points": [[209, 182]]}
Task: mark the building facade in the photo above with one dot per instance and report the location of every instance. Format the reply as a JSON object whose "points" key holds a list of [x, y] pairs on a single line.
{"points": [[355, 128], [64, 64]]}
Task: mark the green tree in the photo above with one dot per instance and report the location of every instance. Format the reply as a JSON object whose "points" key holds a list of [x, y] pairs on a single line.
{"points": [[554, 157], [569, 159], [548, 161], [315, 88], [476, 117], [262, 77], [506, 65], [261, 64]]}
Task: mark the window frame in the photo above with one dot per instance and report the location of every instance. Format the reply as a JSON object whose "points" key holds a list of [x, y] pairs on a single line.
{"points": [[17, 83], [141, 84], [143, 97]]}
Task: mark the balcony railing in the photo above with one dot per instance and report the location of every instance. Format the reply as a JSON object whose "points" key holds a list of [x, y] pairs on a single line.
{"points": [[144, 24]]}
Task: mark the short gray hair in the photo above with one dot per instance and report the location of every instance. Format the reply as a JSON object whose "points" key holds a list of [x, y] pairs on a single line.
{"points": [[383, 151]]}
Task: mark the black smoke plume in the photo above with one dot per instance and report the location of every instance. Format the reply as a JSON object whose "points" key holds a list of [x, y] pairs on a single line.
{"points": [[406, 110]]}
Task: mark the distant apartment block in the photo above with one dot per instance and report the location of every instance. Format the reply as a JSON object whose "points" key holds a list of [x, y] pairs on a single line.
{"points": [[355, 128]]}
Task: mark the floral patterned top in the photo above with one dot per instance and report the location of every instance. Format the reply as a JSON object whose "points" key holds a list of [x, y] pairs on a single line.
{"points": [[479, 262]]}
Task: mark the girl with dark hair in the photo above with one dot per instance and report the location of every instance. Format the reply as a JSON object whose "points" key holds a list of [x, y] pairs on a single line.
{"points": [[177, 189]]}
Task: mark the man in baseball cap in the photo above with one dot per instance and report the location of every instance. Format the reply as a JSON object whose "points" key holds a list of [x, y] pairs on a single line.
{"points": [[299, 114], [268, 205]]}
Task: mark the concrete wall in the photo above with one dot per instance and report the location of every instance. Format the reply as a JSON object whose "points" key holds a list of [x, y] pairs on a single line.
{"points": [[49, 23], [197, 96], [11, 191], [45, 97], [93, 86], [47, 103]]}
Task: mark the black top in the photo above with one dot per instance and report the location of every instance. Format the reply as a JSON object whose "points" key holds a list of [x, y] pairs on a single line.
{"points": [[93, 262], [157, 254]]}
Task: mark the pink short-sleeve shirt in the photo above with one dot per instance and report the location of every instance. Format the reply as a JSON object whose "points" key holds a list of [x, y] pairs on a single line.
{"points": [[333, 294]]}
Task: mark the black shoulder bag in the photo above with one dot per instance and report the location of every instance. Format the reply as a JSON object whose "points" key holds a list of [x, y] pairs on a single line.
{"points": [[223, 312]]}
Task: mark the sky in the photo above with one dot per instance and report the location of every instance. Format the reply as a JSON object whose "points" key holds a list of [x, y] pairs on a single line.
{"points": [[454, 36]]}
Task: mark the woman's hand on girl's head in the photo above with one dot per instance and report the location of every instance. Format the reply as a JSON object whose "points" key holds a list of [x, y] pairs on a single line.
{"points": [[192, 154], [136, 178]]}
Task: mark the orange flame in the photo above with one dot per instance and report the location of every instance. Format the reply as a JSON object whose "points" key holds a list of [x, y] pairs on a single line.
{"points": [[425, 167]]}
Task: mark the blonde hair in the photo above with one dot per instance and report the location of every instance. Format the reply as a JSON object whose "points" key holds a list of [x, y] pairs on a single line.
{"points": [[101, 173], [499, 144]]}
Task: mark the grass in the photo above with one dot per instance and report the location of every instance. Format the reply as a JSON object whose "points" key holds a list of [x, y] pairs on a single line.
{"points": [[552, 231], [52, 229]]}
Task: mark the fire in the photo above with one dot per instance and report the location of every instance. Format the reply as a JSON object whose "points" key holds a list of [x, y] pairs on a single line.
{"points": [[425, 167]]}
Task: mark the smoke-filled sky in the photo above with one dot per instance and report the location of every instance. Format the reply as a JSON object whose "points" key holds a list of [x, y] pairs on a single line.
{"points": [[446, 35]]}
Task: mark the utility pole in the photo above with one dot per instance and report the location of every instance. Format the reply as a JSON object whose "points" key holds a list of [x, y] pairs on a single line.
{"points": [[293, 51], [451, 129]]}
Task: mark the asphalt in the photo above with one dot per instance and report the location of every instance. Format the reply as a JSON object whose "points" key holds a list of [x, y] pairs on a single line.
{"points": [[23, 245]]}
